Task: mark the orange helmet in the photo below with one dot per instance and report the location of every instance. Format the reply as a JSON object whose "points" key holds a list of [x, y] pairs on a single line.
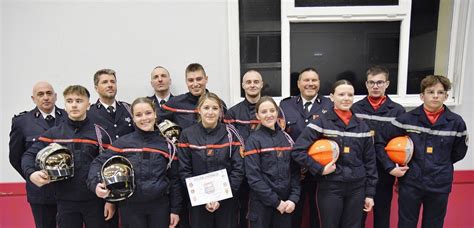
{"points": [[400, 150], [324, 151]]}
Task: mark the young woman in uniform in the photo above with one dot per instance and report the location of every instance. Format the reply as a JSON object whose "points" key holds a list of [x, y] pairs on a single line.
{"points": [[156, 200], [208, 146], [272, 175], [346, 187]]}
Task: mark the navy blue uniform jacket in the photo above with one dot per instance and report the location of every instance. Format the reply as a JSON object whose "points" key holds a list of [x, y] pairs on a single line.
{"points": [[204, 150], [271, 173], [293, 111], [242, 116], [182, 110], [26, 129], [437, 148], [121, 125], [81, 139], [356, 160], [377, 120], [149, 154], [158, 108]]}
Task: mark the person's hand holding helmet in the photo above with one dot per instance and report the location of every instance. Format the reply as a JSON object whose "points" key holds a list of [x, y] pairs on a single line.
{"points": [[101, 191], [39, 178], [399, 171], [329, 168]]}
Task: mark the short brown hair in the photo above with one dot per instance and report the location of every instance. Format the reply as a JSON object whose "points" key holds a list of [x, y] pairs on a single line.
{"points": [[101, 72], [378, 69], [143, 100], [76, 89], [432, 80], [306, 70], [193, 67], [338, 83]]}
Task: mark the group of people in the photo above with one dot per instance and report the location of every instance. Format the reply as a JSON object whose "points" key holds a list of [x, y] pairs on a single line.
{"points": [[262, 146]]}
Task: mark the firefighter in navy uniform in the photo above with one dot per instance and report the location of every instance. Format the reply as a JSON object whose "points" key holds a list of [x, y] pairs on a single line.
{"points": [[181, 109], [346, 187], [114, 116], [377, 110], [211, 146], [440, 139], [160, 81], [27, 127], [156, 201], [273, 177], [298, 112], [242, 117], [77, 205]]}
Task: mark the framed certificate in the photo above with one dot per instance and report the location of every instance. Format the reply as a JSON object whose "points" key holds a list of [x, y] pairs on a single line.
{"points": [[209, 187]]}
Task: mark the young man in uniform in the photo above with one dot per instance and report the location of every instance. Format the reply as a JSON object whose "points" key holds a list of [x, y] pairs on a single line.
{"points": [[161, 82], [181, 109], [377, 110], [27, 127], [298, 112], [77, 205], [242, 116], [440, 139]]}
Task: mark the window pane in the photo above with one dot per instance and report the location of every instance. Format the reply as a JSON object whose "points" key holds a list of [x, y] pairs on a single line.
{"points": [[429, 41], [270, 49], [306, 3], [344, 51], [260, 41], [271, 76], [248, 49]]}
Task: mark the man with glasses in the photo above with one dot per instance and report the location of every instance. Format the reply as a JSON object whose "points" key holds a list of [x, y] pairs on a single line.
{"points": [[440, 139], [377, 109]]}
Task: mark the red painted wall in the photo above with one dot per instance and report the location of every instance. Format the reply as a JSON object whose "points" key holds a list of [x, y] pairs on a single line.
{"points": [[15, 211]]}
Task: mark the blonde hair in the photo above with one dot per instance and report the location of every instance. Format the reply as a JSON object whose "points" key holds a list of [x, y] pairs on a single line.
{"points": [[208, 96]]}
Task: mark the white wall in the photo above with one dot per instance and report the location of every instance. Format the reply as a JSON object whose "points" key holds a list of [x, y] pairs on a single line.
{"points": [[66, 41], [466, 109]]}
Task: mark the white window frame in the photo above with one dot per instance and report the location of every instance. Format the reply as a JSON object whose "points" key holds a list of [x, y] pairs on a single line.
{"points": [[400, 12]]}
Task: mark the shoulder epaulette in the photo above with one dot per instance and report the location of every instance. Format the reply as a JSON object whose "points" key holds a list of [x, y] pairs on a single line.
{"points": [[287, 98], [19, 114], [127, 107], [124, 103]]}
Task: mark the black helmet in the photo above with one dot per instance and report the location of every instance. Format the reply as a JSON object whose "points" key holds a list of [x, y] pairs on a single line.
{"points": [[57, 161], [118, 176], [170, 130]]}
